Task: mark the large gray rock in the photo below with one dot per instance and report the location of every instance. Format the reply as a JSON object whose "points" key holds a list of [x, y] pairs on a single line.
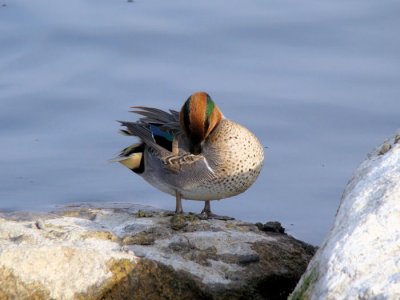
{"points": [[360, 258], [120, 252]]}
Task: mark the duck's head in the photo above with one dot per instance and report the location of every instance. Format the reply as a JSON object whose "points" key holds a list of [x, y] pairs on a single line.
{"points": [[199, 116]]}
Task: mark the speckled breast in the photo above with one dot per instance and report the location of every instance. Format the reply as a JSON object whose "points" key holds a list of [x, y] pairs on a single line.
{"points": [[236, 156]]}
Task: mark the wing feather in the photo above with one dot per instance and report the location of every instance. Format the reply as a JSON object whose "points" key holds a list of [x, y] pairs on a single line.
{"points": [[184, 162]]}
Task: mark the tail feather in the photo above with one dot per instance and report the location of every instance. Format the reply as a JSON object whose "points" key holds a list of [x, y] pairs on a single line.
{"points": [[132, 158], [134, 162]]}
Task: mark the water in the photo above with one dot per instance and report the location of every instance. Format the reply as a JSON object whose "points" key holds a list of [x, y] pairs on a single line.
{"points": [[317, 81]]}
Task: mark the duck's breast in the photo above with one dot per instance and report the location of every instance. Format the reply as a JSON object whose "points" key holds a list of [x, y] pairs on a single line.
{"points": [[236, 156]]}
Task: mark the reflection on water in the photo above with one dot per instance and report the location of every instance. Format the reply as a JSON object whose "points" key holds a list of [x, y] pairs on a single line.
{"points": [[317, 82]]}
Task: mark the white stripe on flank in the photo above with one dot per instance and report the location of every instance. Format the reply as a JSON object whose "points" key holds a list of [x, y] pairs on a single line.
{"points": [[208, 166]]}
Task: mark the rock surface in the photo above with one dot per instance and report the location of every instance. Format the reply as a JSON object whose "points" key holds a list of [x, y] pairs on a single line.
{"points": [[360, 258], [123, 252]]}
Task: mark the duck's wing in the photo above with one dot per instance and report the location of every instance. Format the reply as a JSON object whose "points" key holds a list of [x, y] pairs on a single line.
{"points": [[163, 126], [175, 163], [143, 131], [166, 120]]}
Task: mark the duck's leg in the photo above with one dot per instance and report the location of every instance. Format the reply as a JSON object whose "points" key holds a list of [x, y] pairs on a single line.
{"points": [[178, 209], [207, 213], [207, 208]]}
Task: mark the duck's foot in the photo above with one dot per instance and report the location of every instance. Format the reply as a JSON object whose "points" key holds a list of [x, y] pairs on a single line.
{"points": [[208, 216], [206, 213]]}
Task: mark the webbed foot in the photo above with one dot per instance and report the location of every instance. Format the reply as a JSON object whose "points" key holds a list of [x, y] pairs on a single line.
{"points": [[206, 213]]}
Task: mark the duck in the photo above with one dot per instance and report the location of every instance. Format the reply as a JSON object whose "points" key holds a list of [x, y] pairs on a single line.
{"points": [[193, 154]]}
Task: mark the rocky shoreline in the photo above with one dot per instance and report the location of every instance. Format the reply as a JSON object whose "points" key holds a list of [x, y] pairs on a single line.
{"points": [[125, 251], [134, 252]]}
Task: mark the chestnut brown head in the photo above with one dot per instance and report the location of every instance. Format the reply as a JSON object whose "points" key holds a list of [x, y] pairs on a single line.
{"points": [[198, 117]]}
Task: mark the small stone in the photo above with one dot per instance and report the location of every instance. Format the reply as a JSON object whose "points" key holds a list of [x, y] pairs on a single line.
{"points": [[274, 227], [178, 222], [201, 256], [180, 246], [198, 226], [79, 212], [131, 227], [384, 148], [142, 238], [397, 138], [125, 249], [167, 214], [103, 235], [17, 238], [192, 217], [139, 253], [144, 214], [39, 224], [260, 226], [271, 227], [248, 259]]}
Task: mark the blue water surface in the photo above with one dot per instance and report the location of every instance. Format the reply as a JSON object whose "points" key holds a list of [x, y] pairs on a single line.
{"points": [[317, 81]]}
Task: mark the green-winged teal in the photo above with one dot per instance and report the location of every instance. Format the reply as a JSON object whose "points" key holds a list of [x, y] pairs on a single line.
{"points": [[194, 154]]}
